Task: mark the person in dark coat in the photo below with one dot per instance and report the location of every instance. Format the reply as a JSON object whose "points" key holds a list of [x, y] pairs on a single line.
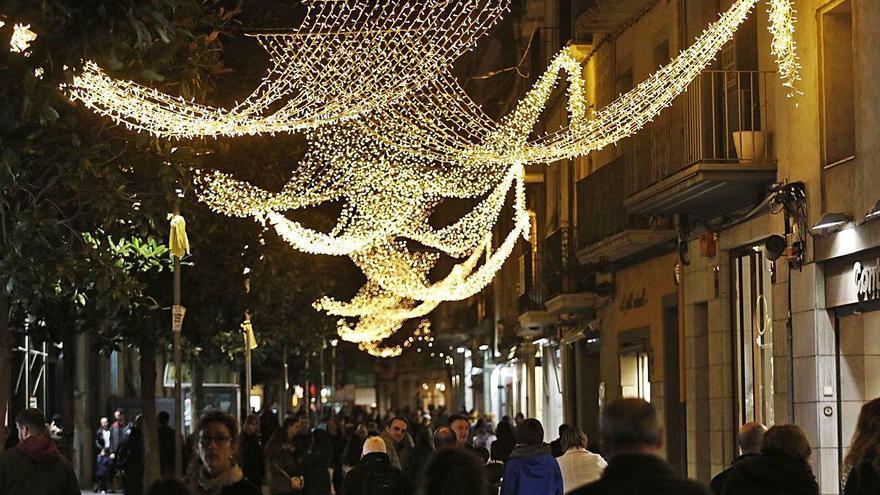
{"points": [[284, 455], [531, 468], [750, 438], [374, 474], [166, 445], [130, 459], [119, 431], [337, 441], [453, 471], [419, 456], [504, 444], [215, 472], [103, 470], [782, 467], [633, 440], [35, 466], [351, 456], [251, 451], [316, 464], [863, 458]]}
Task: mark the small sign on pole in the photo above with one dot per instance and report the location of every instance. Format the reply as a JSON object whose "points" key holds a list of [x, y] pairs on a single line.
{"points": [[177, 314]]}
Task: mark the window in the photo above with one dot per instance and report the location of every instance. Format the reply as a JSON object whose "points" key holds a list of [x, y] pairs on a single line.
{"points": [[837, 89], [753, 335], [634, 375]]}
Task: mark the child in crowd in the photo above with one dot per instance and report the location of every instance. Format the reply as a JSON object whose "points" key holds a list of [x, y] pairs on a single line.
{"points": [[103, 470]]}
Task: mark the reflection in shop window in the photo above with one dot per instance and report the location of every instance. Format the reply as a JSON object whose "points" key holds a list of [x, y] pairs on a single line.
{"points": [[635, 376], [753, 335]]}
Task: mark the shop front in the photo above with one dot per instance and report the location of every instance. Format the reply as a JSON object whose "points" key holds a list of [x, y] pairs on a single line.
{"points": [[852, 297]]}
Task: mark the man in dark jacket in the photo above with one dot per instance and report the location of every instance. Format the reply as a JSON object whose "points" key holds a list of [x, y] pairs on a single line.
{"points": [[782, 467], [166, 445], [374, 474], [633, 438], [35, 466], [750, 438]]}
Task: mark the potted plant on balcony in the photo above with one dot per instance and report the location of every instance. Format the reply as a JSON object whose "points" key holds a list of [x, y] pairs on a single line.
{"points": [[750, 145]]}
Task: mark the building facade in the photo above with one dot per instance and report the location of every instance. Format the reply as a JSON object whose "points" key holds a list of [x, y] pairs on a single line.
{"points": [[724, 262]]}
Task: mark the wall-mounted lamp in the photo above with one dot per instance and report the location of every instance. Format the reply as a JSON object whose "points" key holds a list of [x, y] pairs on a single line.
{"points": [[875, 211], [831, 222]]}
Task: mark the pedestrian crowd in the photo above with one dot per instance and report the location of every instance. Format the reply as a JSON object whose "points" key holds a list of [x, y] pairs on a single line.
{"points": [[421, 453]]}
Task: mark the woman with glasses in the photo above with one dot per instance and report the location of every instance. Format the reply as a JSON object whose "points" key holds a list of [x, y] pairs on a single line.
{"points": [[215, 471]]}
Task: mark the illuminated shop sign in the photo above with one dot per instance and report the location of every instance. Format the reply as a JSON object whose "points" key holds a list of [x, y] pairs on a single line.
{"points": [[867, 280]]}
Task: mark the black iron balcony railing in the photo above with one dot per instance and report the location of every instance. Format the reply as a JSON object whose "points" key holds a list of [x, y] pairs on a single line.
{"points": [[721, 118], [560, 270], [601, 212], [531, 289]]}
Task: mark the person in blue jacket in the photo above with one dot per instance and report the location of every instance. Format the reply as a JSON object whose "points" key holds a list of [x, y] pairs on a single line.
{"points": [[532, 469]]}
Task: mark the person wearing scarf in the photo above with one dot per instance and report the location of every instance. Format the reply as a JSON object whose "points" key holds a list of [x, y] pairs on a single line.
{"points": [[35, 466], [215, 471]]}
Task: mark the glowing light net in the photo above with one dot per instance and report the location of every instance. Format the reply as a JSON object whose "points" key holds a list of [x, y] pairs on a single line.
{"points": [[391, 134], [347, 57]]}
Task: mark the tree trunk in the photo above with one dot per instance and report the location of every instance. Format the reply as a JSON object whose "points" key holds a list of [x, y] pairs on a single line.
{"points": [[5, 360], [68, 363], [148, 394]]}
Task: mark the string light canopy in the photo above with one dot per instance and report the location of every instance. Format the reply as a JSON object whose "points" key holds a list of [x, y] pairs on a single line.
{"points": [[392, 135], [345, 58]]}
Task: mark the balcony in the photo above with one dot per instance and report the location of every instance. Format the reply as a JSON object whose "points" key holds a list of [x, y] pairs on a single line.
{"points": [[533, 317], [708, 154], [607, 232], [567, 283]]}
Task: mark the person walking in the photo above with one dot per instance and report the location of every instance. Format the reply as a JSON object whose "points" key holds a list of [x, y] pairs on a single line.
{"points": [[749, 439], [251, 450], [504, 443], [284, 454], [103, 471], [166, 444], [453, 472], [102, 435], [35, 466], [395, 431], [419, 456], [782, 467], [863, 459], [130, 459], [462, 428], [316, 464], [633, 440], [119, 431], [337, 442], [215, 471], [444, 438], [353, 448], [374, 474], [531, 468], [556, 445], [578, 465]]}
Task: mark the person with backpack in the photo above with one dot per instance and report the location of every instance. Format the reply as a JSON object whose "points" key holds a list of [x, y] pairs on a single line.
{"points": [[374, 474]]}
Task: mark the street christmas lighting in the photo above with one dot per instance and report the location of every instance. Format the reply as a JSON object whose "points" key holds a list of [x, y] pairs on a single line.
{"points": [[392, 134]]}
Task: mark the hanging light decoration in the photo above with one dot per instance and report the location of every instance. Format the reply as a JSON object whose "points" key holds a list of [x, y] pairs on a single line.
{"points": [[345, 58], [391, 135]]}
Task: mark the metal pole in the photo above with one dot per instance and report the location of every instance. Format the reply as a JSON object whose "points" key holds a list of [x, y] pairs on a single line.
{"points": [[178, 376], [308, 393], [247, 364]]}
